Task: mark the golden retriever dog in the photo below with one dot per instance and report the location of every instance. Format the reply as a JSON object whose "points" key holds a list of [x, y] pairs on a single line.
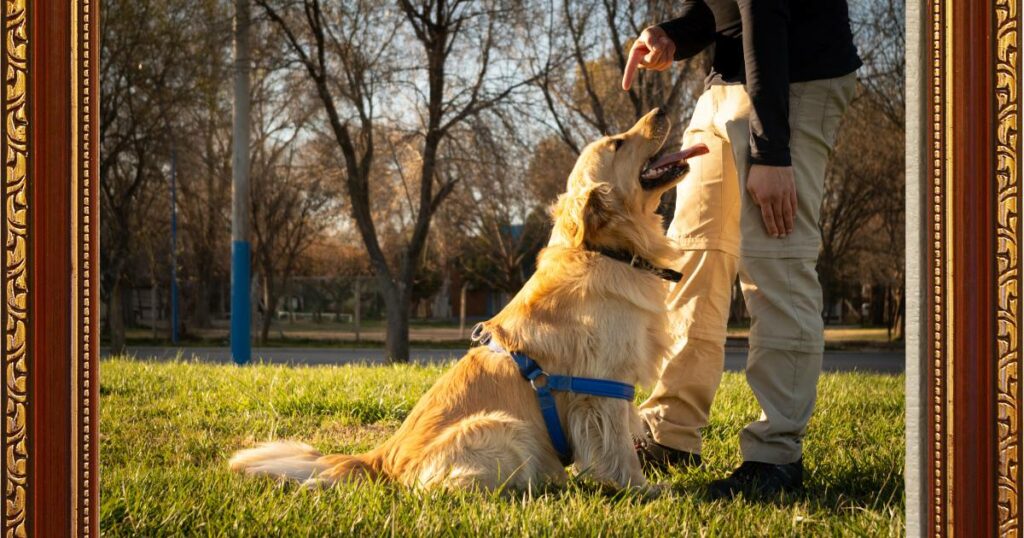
{"points": [[585, 312]]}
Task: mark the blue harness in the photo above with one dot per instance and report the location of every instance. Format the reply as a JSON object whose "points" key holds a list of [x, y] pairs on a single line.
{"points": [[544, 384]]}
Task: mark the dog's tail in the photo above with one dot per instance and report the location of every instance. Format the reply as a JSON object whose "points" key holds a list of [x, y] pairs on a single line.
{"points": [[292, 460]]}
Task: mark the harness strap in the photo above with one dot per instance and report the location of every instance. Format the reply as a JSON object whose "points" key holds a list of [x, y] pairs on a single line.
{"points": [[549, 408], [544, 384], [594, 387]]}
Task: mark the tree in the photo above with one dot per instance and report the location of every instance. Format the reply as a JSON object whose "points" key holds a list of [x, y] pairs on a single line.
{"points": [[356, 40], [146, 75], [494, 225], [579, 63], [289, 200], [862, 215], [204, 170]]}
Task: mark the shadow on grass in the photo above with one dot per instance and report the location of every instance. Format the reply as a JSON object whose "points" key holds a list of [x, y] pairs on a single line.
{"points": [[826, 490]]}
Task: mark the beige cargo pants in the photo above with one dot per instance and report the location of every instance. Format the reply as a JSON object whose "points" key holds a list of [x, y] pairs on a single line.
{"points": [[721, 233]]}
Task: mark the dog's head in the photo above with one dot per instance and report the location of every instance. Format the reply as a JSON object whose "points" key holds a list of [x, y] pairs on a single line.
{"points": [[615, 187]]}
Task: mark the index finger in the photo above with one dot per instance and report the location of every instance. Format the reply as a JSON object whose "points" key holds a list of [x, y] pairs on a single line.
{"points": [[636, 53]]}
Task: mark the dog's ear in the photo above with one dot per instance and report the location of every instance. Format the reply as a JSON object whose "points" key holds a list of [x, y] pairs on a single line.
{"points": [[597, 211], [583, 213]]}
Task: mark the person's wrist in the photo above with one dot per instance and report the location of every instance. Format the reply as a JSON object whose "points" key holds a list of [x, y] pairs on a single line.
{"points": [[780, 159]]}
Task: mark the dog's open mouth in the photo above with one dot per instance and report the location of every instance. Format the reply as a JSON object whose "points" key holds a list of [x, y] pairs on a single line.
{"points": [[660, 171]]}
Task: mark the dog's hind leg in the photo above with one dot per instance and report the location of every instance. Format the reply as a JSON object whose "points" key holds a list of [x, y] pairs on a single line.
{"points": [[488, 451]]}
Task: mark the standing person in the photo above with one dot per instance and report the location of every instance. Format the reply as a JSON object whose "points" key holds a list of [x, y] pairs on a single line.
{"points": [[780, 80]]}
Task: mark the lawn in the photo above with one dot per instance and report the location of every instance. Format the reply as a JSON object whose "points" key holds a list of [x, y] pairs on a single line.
{"points": [[168, 429]]}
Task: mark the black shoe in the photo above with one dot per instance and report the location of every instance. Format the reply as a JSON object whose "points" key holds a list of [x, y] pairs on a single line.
{"points": [[755, 478], [660, 457]]}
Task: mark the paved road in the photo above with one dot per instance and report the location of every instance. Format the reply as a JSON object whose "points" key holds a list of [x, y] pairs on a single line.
{"points": [[835, 361]]}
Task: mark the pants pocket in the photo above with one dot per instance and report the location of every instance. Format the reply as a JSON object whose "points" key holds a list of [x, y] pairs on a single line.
{"points": [[784, 299], [707, 200]]}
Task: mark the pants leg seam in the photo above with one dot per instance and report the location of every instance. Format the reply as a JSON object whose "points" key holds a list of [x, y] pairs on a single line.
{"points": [[792, 309], [794, 383]]}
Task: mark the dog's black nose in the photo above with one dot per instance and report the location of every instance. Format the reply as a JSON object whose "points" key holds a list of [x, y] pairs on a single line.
{"points": [[659, 112]]}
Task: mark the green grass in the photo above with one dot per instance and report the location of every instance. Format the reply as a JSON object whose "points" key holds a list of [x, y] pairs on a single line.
{"points": [[168, 429]]}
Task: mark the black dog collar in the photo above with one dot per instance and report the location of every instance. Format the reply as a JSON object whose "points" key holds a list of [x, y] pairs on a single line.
{"points": [[639, 263]]}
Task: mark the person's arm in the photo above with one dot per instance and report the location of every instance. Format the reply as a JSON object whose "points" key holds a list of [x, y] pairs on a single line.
{"points": [[692, 31], [766, 55]]}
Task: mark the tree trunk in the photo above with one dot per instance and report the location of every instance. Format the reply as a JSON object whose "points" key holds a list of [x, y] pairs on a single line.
{"points": [[397, 300], [357, 315], [265, 329], [462, 310], [115, 318], [827, 297], [903, 313], [154, 296], [202, 298], [897, 323], [269, 310]]}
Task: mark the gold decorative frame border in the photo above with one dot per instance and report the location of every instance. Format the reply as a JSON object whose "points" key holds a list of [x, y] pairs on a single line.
{"points": [[937, 46], [970, 196], [82, 265], [1008, 390], [15, 231], [940, 404], [49, 324]]}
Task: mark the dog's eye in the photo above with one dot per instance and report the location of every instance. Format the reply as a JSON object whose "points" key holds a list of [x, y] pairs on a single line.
{"points": [[617, 143]]}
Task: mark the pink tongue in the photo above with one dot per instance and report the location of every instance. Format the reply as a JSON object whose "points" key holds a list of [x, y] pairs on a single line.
{"points": [[680, 156]]}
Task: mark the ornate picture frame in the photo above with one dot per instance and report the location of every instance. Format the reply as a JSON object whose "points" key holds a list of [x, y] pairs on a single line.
{"points": [[50, 309], [963, 199], [963, 347]]}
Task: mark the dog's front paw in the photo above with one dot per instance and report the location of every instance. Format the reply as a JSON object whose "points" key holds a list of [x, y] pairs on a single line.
{"points": [[651, 492]]}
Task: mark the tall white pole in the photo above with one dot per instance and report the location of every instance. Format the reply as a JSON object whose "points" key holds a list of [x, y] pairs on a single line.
{"points": [[241, 310]]}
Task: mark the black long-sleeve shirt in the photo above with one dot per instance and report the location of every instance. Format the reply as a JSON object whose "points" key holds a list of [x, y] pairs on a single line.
{"points": [[766, 44]]}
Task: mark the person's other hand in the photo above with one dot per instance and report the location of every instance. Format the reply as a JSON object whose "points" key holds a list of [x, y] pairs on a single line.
{"points": [[774, 191], [652, 50]]}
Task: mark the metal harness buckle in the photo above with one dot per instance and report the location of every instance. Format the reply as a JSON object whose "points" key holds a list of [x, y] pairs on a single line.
{"points": [[533, 382]]}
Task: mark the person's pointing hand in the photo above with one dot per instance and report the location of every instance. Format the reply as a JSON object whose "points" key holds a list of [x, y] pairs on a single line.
{"points": [[652, 50]]}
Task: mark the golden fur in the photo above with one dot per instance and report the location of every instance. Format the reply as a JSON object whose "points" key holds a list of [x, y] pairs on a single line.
{"points": [[581, 314]]}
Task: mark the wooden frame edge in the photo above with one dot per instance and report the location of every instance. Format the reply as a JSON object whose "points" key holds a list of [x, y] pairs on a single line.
{"points": [[964, 360], [970, 324], [50, 310]]}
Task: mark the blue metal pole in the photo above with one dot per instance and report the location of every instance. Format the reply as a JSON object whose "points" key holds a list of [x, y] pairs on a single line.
{"points": [[241, 316], [241, 309], [174, 246]]}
